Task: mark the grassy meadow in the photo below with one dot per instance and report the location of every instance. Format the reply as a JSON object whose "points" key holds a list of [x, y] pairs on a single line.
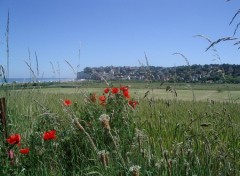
{"points": [[172, 129]]}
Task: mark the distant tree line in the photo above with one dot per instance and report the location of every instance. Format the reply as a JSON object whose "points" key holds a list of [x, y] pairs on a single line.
{"points": [[212, 73]]}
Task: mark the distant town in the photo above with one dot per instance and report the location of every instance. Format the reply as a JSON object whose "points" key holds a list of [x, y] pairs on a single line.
{"points": [[212, 73]]}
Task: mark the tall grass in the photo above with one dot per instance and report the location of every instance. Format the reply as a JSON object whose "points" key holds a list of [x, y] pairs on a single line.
{"points": [[7, 43], [158, 137], [190, 73]]}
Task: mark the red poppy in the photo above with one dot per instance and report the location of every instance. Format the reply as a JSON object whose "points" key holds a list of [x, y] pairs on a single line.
{"points": [[92, 97], [24, 151], [102, 99], [126, 94], [49, 135], [14, 139], [67, 102], [106, 90], [133, 104], [124, 88], [115, 90]]}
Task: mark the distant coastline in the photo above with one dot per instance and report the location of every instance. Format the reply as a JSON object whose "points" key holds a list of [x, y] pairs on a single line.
{"points": [[27, 80]]}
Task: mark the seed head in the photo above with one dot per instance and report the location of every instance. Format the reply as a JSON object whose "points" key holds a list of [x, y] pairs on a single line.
{"points": [[135, 170], [105, 121]]}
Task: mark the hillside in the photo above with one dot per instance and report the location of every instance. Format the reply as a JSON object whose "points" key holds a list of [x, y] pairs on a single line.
{"points": [[217, 73]]}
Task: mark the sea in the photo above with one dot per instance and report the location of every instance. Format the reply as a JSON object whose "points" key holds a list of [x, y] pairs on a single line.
{"points": [[38, 80]]}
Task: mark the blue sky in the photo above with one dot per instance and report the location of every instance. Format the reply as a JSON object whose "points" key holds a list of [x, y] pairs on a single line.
{"points": [[113, 32]]}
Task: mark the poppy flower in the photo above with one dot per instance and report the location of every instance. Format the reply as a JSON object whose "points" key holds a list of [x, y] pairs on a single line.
{"points": [[133, 104], [49, 135], [14, 139], [67, 102], [115, 90], [24, 151], [124, 88], [126, 94], [102, 99], [106, 90]]}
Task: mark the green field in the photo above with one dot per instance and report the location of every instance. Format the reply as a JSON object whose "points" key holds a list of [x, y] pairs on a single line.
{"points": [[186, 92], [183, 131], [186, 95]]}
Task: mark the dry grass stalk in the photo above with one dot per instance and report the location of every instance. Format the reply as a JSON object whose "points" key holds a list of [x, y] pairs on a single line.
{"points": [[37, 64], [105, 81], [29, 63], [52, 68], [235, 15], [7, 41], [79, 126], [213, 48], [165, 154], [74, 72], [116, 147], [2, 73], [140, 137], [105, 122], [220, 40], [31, 70], [104, 157], [235, 31]]}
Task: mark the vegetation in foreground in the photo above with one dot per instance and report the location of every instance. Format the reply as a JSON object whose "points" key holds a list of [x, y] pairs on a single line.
{"points": [[113, 133]]}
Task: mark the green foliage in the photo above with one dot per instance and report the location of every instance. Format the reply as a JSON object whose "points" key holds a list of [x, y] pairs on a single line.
{"points": [[163, 137], [187, 73]]}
